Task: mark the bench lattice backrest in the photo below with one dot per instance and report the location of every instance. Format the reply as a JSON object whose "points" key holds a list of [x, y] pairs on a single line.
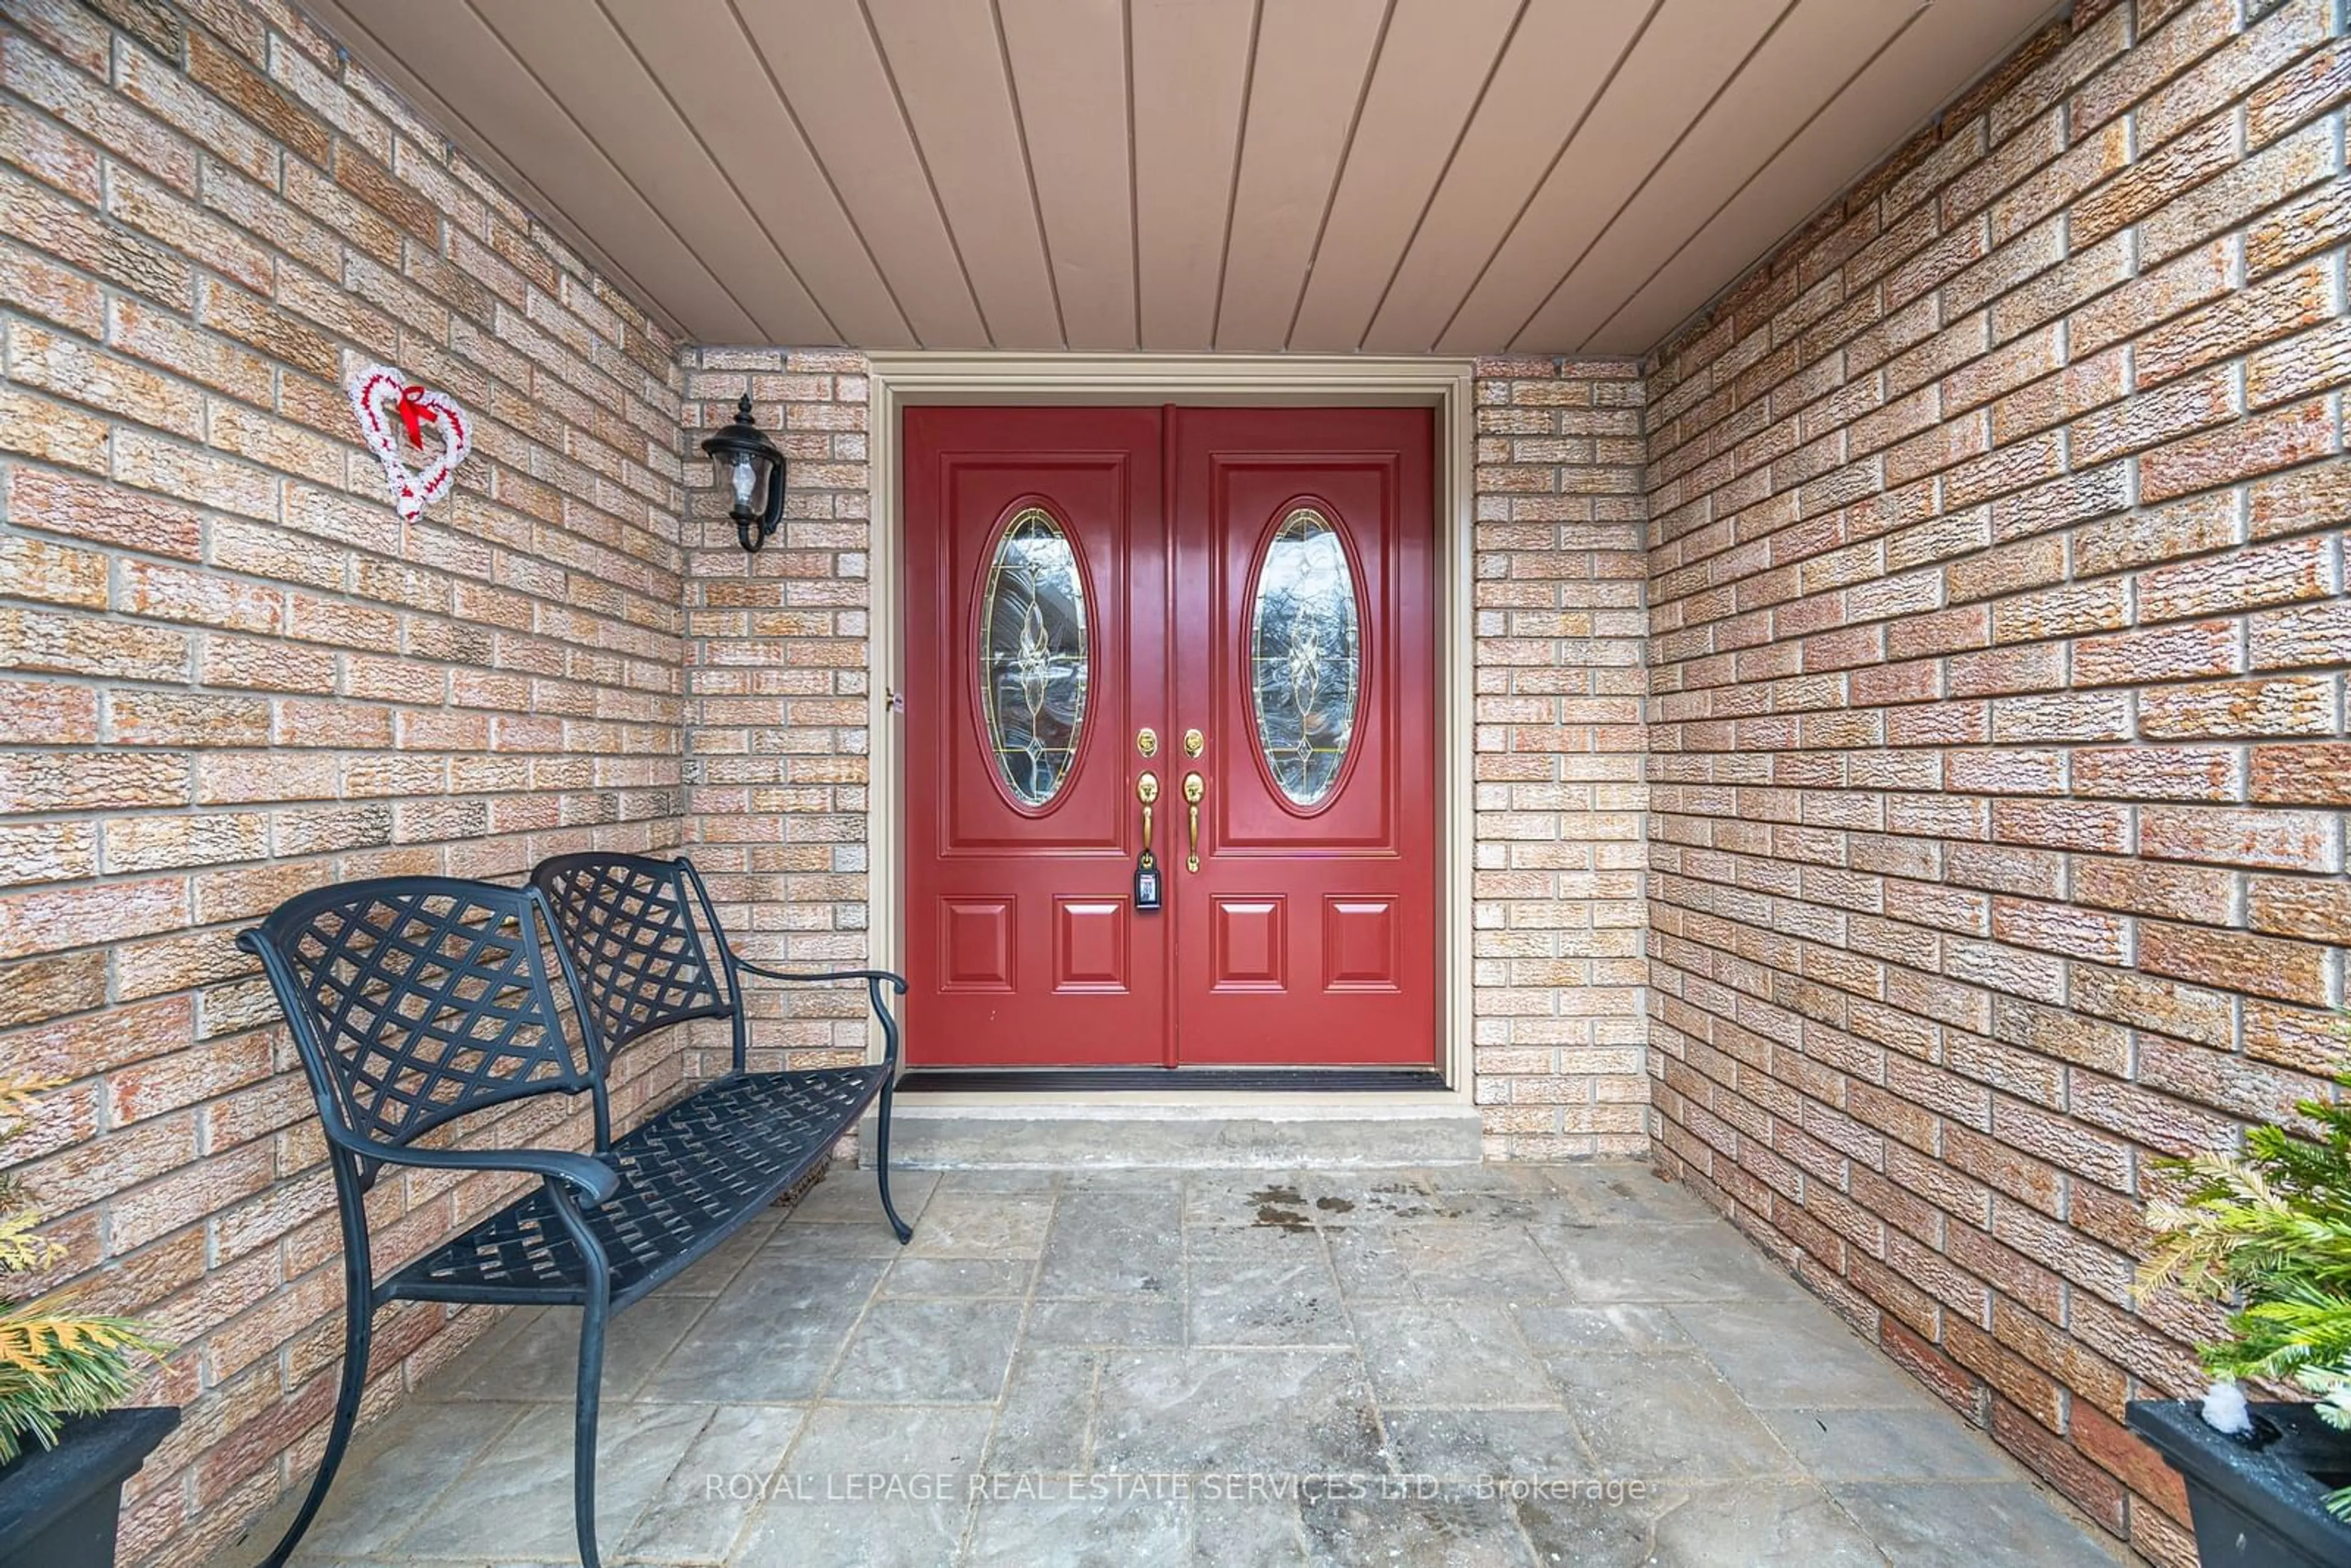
{"points": [[414, 1000], [627, 923]]}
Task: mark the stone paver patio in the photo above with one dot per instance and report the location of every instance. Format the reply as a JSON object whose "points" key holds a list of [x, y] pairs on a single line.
{"points": [[1478, 1366]]}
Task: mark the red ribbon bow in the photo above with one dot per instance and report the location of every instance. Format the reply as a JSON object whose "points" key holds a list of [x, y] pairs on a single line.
{"points": [[413, 409]]}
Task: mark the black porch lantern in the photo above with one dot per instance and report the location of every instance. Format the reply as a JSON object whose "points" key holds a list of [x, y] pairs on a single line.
{"points": [[741, 453]]}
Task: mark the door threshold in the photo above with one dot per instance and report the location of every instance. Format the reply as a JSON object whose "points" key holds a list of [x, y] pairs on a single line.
{"points": [[1164, 1079], [1180, 1128]]}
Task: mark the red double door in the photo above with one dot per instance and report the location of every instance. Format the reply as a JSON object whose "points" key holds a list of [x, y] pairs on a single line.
{"points": [[1226, 617]]}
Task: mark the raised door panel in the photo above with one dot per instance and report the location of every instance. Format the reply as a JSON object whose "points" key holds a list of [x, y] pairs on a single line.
{"points": [[1249, 936], [976, 943], [1092, 945]]}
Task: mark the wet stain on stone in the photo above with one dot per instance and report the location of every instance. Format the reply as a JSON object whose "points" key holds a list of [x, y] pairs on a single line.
{"points": [[1281, 1208], [1282, 1218]]}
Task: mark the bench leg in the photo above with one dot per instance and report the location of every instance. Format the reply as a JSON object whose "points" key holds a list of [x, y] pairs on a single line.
{"points": [[359, 1322], [881, 1169], [583, 1432]]}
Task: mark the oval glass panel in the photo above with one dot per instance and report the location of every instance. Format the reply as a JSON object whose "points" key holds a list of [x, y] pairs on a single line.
{"points": [[1305, 656], [1033, 657]]}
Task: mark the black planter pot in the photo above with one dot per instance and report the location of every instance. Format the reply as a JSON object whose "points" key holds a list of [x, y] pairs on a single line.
{"points": [[58, 1506], [2257, 1502]]}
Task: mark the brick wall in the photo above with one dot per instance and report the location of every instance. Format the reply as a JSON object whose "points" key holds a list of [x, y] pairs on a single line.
{"points": [[232, 673], [1560, 1022], [1998, 638], [778, 679]]}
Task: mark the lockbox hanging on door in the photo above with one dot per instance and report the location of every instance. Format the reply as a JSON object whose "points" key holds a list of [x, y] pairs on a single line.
{"points": [[1146, 865]]}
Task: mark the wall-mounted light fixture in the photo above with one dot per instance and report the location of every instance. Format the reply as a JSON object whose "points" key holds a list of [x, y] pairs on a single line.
{"points": [[742, 454]]}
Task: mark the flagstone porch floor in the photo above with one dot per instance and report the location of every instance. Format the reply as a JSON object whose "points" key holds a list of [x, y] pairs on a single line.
{"points": [[1500, 1364]]}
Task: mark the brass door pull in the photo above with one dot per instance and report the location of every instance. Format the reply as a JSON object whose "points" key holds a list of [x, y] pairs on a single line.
{"points": [[1194, 788], [1147, 790]]}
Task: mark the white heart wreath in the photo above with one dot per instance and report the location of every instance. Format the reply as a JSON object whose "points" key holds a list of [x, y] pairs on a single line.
{"points": [[411, 406]]}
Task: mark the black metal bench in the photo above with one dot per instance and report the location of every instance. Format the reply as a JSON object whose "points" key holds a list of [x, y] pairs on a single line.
{"points": [[417, 1001]]}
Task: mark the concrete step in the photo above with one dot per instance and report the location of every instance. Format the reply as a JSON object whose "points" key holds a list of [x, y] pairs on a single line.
{"points": [[964, 1131]]}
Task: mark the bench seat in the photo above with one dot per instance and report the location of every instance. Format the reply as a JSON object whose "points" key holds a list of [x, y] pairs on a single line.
{"points": [[688, 1175]]}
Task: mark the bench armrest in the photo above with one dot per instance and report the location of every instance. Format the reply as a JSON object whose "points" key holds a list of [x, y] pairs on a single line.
{"points": [[895, 982], [594, 1180], [874, 980]]}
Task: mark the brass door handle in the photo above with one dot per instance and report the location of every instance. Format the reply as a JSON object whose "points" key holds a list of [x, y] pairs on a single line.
{"points": [[1194, 788], [1147, 790]]}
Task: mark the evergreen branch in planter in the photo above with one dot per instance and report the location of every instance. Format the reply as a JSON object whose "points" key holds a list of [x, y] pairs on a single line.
{"points": [[2268, 1231], [53, 1362], [52, 1366]]}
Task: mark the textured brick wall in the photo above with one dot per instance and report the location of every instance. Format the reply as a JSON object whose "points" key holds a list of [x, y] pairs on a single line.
{"points": [[1560, 1021], [232, 673], [1998, 639], [778, 681]]}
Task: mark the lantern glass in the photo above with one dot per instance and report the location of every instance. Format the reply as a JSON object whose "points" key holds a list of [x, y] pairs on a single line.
{"points": [[740, 472]]}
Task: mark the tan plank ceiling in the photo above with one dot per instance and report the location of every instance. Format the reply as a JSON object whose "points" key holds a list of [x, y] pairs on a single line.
{"points": [[1548, 176]]}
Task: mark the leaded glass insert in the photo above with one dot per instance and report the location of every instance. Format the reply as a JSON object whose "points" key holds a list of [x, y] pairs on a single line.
{"points": [[1305, 656], [1033, 656]]}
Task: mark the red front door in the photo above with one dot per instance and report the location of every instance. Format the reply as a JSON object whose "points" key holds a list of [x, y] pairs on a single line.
{"points": [[1261, 578]]}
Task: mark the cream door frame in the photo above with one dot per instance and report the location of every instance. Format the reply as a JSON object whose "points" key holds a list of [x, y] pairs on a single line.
{"points": [[901, 380]]}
